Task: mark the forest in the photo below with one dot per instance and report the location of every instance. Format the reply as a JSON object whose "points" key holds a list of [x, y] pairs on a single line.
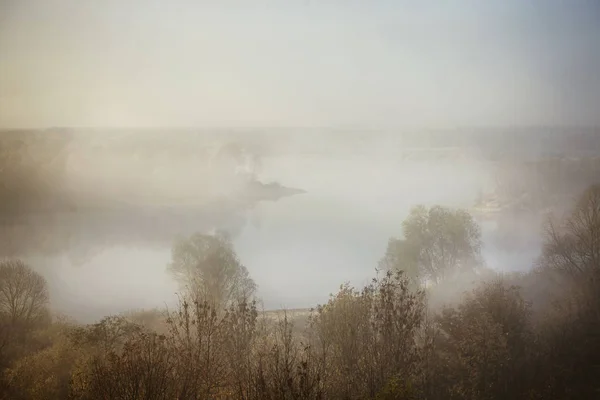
{"points": [[299, 200], [434, 323]]}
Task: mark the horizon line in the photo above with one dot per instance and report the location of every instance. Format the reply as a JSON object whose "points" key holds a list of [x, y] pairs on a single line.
{"points": [[306, 127]]}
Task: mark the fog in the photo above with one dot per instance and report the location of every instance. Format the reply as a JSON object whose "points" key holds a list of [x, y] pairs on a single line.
{"points": [[125, 198], [298, 63], [233, 72]]}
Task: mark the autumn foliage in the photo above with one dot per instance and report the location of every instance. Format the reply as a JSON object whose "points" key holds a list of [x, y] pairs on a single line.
{"points": [[526, 336]]}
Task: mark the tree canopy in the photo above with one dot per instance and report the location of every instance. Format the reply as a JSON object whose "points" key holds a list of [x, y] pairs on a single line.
{"points": [[504, 339], [23, 293], [207, 267], [437, 242]]}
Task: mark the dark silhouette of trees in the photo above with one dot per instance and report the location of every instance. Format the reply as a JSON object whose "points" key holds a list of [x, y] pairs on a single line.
{"points": [[572, 247], [569, 351]]}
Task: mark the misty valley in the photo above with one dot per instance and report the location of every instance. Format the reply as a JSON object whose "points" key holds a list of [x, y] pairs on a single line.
{"points": [[299, 200], [300, 264], [100, 205]]}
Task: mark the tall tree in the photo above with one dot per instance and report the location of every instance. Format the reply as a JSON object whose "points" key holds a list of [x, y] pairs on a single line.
{"points": [[207, 267], [23, 293], [23, 301], [570, 343], [438, 242], [572, 248]]}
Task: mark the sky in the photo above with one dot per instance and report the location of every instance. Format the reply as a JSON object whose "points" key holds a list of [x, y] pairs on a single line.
{"points": [[298, 63]]}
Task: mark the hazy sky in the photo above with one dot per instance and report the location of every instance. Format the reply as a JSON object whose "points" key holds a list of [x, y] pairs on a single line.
{"points": [[291, 62]]}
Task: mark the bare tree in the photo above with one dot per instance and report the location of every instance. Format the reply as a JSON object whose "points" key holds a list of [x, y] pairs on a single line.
{"points": [[570, 342], [573, 247], [23, 293], [23, 300]]}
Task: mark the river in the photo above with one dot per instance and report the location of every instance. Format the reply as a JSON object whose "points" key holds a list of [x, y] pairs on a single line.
{"points": [[298, 249]]}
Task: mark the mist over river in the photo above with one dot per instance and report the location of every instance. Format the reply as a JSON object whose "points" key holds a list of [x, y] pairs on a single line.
{"points": [[298, 249]]}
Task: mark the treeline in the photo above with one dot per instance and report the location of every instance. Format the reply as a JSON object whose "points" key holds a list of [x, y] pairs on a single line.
{"points": [[433, 324]]}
